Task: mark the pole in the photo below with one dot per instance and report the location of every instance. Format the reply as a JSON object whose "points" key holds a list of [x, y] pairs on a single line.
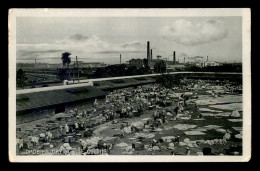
{"points": [[35, 68], [174, 59], [73, 72], [77, 67]]}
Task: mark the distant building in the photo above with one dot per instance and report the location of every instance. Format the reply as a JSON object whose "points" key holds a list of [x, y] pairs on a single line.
{"points": [[151, 63], [211, 63], [30, 66], [25, 66], [176, 67], [195, 61], [136, 62], [91, 64], [38, 66], [54, 66]]}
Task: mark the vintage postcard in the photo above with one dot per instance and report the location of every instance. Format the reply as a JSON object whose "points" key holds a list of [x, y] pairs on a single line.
{"points": [[129, 85]]}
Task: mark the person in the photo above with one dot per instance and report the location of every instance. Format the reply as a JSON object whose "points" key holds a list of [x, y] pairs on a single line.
{"points": [[155, 115], [184, 102], [213, 93], [35, 140], [63, 131], [48, 136], [180, 106], [164, 117], [88, 132], [82, 125], [61, 128], [84, 113], [153, 143], [123, 112], [66, 127], [95, 103], [176, 109], [196, 106], [176, 140], [76, 125], [187, 151], [83, 146], [140, 111], [76, 111], [20, 145]]}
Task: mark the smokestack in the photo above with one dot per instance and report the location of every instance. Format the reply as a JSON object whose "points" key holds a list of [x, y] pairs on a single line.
{"points": [[207, 58], [148, 50], [184, 60], [174, 59], [120, 58], [151, 54]]}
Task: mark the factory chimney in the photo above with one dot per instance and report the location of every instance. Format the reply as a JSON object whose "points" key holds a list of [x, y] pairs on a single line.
{"points": [[207, 58], [148, 50], [184, 60], [174, 59], [151, 54], [120, 58]]}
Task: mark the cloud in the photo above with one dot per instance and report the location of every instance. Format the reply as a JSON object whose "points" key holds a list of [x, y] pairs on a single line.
{"points": [[78, 37], [188, 33], [115, 51], [79, 45], [134, 44], [27, 52]]}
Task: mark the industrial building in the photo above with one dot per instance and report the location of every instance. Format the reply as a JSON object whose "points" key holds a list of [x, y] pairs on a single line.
{"points": [[211, 63], [199, 61], [171, 65], [137, 62]]}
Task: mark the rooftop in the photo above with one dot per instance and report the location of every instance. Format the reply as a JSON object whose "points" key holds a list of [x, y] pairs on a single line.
{"points": [[54, 97]]}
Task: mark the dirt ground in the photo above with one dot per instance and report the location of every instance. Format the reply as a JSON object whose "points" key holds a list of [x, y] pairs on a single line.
{"points": [[197, 128]]}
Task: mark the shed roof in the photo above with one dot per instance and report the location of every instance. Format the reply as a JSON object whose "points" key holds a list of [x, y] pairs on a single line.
{"points": [[54, 97]]}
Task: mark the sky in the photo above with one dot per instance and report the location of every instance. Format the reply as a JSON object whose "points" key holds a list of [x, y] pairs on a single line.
{"points": [[103, 39]]}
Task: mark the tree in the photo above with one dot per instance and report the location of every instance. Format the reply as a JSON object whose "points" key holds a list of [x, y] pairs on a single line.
{"points": [[20, 78], [66, 60]]}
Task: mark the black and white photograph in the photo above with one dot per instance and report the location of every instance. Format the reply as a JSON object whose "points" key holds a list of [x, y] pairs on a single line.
{"points": [[149, 85]]}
